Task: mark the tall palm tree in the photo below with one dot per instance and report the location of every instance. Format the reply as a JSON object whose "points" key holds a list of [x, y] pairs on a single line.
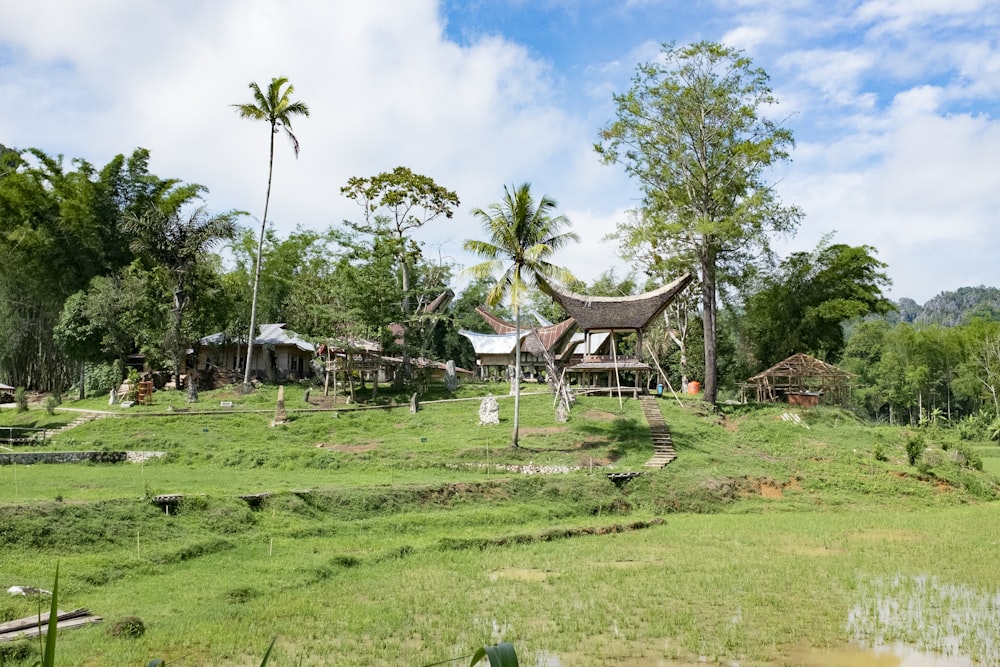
{"points": [[276, 108], [523, 234]]}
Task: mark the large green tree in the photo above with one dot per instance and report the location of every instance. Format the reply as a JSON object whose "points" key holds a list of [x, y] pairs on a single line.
{"points": [[692, 131], [274, 106], [400, 201], [804, 304], [522, 235], [60, 226], [178, 242]]}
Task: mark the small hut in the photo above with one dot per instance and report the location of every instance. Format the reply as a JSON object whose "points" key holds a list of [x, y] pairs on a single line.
{"points": [[801, 380]]}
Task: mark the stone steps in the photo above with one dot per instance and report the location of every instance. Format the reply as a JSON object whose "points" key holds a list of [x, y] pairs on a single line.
{"points": [[663, 445]]}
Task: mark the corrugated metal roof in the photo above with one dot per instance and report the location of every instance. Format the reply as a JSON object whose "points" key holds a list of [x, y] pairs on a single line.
{"points": [[268, 334]]}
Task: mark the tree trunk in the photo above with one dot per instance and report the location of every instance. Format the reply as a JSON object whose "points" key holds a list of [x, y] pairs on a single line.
{"points": [[256, 273], [404, 325], [517, 374], [708, 313]]}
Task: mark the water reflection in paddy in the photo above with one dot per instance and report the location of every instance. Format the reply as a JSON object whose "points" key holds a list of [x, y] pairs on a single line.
{"points": [[902, 621]]}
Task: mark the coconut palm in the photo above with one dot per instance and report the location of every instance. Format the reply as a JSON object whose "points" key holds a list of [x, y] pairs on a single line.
{"points": [[276, 108], [523, 234]]}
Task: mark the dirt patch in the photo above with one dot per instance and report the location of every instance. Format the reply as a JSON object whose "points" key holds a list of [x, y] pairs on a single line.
{"points": [[351, 449], [771, 490]]}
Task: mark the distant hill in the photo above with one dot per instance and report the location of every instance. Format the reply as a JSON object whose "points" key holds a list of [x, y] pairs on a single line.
{"points": [[951, 308]]}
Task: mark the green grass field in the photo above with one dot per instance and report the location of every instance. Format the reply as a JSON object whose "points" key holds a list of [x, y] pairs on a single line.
{"points": [[398, 538]]}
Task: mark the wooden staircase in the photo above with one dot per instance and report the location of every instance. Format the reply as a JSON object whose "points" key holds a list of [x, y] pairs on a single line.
{"points": [[663, 446]]}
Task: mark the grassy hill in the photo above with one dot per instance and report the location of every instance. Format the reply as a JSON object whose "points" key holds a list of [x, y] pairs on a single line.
{"points": [[389, 536]]}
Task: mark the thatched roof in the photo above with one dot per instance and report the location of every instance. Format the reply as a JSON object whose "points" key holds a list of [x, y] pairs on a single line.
{"points": [[802, 366], [619, 313]]}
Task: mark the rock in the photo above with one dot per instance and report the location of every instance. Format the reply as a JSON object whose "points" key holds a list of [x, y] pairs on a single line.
{"points": [[414, 404], [489, 410], [562, 414], [280, 416], [450, 378]]}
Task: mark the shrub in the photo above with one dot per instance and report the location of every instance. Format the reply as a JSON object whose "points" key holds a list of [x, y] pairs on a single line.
{"points": [[50, 405], [914, 448], [130, 627], [21, 399]]}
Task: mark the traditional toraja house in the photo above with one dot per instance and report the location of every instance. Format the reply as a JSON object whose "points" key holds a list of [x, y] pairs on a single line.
{"points": [[801, 380], [614, 315], [538, 344]]}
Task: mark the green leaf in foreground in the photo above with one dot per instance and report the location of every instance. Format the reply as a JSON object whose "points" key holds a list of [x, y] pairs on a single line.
{"points": [[49, 654], [500, 655]]}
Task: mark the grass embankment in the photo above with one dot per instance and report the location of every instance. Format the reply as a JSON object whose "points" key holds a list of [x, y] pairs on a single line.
{"points": [[392, 536]]}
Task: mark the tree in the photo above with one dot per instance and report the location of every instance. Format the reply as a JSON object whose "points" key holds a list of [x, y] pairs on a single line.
{"points": [[275, 107], [803, 306], [691, 131], [524, 233], [401, 200], [176, 243]]}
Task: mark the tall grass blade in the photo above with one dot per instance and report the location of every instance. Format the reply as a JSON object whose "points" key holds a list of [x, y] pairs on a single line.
{"points": [[49, 654], [267, 656]]}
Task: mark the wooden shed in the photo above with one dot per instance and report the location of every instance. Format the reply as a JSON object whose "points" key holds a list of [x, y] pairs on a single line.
{"points": [[800, 380]]}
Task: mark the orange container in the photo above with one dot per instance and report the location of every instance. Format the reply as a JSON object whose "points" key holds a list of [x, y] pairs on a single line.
{"points": [[694, 387]]}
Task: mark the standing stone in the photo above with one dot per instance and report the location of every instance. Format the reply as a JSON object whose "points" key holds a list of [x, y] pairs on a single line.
{"points": [[280, 416], [512, 376], [450, 378], [489, 410], [112, 397], [562, 414], [414, 405], [192, 389]]}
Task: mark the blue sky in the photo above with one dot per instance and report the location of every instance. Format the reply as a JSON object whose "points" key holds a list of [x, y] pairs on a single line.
{"points": [[893, 103]]}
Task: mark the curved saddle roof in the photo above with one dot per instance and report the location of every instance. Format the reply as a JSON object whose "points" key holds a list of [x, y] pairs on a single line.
{"points": [[600, 313]]}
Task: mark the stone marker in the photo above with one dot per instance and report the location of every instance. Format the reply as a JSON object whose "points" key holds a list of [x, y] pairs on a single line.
{"points": [[562, 414], [489, 410], [414, 404], [280, 416], [450, 379]]}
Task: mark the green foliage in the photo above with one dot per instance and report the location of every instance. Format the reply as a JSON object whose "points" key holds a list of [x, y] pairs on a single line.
{"points": [[501, 654], [129, 627], [692, 131], [21, 399], [802, 306], [915, 446]]}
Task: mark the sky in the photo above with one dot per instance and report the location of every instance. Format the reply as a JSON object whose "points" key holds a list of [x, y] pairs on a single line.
{"points": [[894, 105]]}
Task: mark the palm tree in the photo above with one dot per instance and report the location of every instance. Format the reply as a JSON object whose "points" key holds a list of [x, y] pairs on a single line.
{"points": [[178, 244], [276, 107], [524, 233]]}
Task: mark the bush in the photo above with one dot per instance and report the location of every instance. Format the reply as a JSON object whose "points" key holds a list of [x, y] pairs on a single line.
{"points": [[130, 627], [21, 399], [50, 405], [915, 448]]}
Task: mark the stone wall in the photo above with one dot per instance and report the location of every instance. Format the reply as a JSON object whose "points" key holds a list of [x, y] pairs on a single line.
{"points": [[29, 458]]}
